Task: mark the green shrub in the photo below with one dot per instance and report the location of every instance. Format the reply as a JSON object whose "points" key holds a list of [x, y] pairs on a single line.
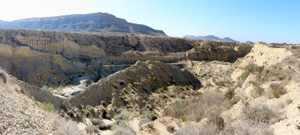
{"points": [[147, 114], [124, 89], [161, 89], [46, 88], [154, 79], [173, 81], [113, 85], [183, 117], [129, 85], [136, 83], [46, 106], [186, 87], [79, 114], [258, 89], [200, 93], [85, 111], [180, 88], [248, 69]]}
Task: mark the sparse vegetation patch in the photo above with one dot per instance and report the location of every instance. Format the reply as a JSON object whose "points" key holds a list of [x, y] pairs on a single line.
{"points": [[124, 89], [258, 89], [259, 114], [196, 108], [251, 67], [277, 90], [45, 87], [46, 106]]}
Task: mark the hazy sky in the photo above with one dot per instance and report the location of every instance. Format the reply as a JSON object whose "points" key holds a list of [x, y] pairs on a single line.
{"points": [[242, 20]]}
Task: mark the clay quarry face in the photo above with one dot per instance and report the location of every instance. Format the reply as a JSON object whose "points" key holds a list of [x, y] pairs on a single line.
{"points": [[54, 82]]}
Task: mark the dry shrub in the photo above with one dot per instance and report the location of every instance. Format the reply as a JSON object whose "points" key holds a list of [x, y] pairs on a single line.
{"points": [[123, 130], [65, 127], [249, 128], [143, 121], [100, 124], [170, 128], [91, 129], [125, 115], [97, 122], [230, 94], [277, 73], [222, 81], [258, 89], [215, 118], [210, 104], [194, 130], [3, 77], [232, 97], [260, 114], [277, 90]]}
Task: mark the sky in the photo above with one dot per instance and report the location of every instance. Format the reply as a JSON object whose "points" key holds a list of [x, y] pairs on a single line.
{"points": [[270, 21]]}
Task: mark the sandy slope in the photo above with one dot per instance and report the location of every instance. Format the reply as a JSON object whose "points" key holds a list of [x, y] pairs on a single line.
{"points": [[20, 115]]}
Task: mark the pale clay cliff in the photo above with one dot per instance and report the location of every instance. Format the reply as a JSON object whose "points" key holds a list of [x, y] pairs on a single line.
{"points": [[55, 58]]}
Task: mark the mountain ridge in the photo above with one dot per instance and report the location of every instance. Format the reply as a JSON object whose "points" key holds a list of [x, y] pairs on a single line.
{"points": [[210, 37], [97, 23]]}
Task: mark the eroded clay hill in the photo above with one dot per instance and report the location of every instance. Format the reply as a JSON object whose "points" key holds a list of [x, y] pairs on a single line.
{"points": [[133, 86], [54, 58]]}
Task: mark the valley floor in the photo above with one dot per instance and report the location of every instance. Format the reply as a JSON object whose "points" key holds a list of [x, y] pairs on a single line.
{"points": [[256, 95]]}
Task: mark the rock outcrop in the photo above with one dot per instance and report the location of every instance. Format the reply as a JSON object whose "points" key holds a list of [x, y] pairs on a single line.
{"points": [[221, 51]]}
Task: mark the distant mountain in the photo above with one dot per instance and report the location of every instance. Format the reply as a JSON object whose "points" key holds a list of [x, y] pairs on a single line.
{"points": [[210, 37], [100, 23]]}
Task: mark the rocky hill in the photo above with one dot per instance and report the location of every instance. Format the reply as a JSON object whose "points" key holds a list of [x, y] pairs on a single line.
{"points": [[140, 80], [99, 23]]}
